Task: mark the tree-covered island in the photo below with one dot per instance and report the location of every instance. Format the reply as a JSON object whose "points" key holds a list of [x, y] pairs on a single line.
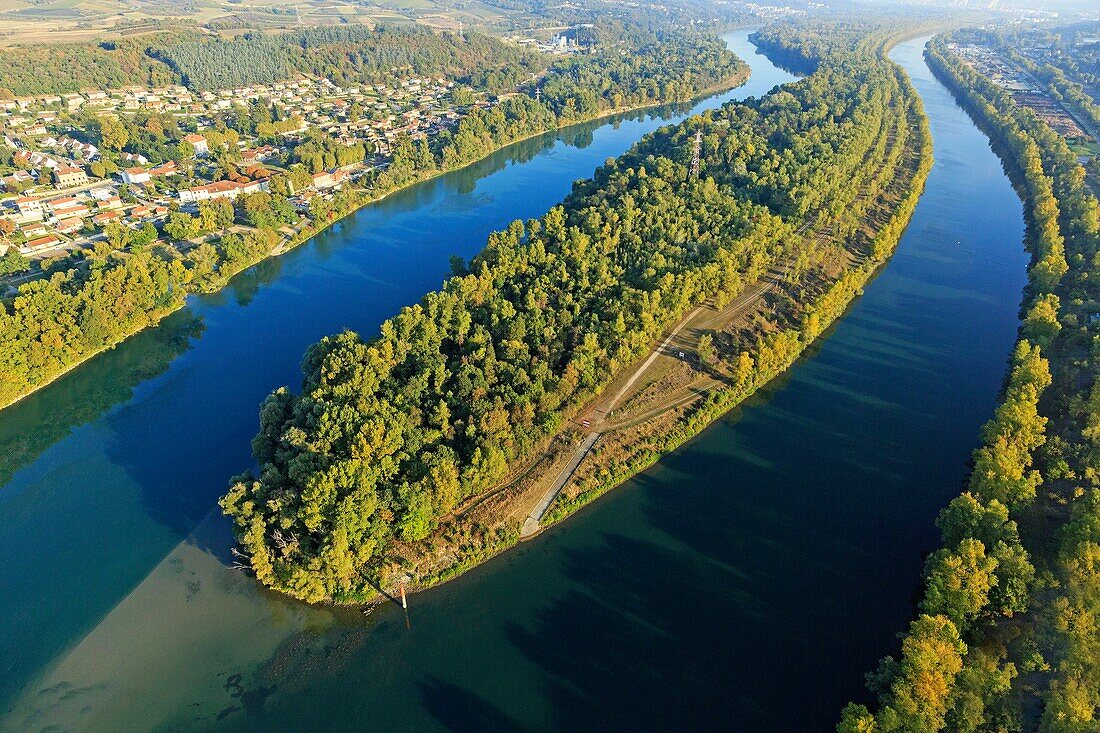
{"points": [[414, 454]]}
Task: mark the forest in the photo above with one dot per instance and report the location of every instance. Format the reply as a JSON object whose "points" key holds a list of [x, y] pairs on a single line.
{"points": [[69, 67], [348, 55], [387, 435], [1006, 638]]}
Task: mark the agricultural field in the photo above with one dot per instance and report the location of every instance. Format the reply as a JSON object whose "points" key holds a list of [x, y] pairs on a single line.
{"points": [[69, 21]]}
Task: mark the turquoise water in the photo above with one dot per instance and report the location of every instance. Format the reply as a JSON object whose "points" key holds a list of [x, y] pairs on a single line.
{"points": [[747, 582]]}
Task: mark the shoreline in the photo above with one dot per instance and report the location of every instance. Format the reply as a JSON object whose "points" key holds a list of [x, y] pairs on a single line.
{"points": [[552, 518], [299, 239], [689, 427]]}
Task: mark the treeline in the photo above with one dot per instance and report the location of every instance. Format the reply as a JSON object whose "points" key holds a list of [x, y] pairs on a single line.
{"points": [[389, 435], [981, 574], [62, 68], [685, 67], [124, 284], [674, 67], [34, 356], [1007, 639], [353, 54], [691, 65], [883, 170]]}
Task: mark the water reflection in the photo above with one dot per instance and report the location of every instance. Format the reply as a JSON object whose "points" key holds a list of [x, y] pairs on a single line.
{"points": [[122, 610], [85, 394]]}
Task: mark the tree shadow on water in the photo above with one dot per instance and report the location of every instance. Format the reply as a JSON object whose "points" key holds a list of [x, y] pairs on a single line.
{"points": [[647, 641], [461, 710]]}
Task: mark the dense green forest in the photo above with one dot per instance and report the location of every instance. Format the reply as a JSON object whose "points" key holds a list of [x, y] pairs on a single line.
{"points": [[70, 67], [348, 55], [1007, 637], [345, 54], [584, 85], [388, 435]]}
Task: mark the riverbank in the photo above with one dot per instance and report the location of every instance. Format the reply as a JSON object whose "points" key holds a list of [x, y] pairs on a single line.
{"points": [[1033, 480], [359, 198], [883, 175], [595, 468], [779, 516]]}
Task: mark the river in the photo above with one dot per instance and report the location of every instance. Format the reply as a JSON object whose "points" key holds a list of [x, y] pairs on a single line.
{"points": [[747, 582]]}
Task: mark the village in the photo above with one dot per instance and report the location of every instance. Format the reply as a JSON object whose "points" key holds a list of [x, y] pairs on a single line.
{"points": [[1024, 89], [53, 201]]}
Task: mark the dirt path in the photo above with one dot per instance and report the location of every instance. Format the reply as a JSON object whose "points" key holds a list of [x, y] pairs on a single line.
{"points": [[532, 524]]}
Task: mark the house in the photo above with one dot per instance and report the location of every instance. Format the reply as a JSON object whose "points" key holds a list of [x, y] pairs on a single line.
{"points": [[131, 176], [329, 179], [220, 190], [17, 180], [256, 154], [147, 212], [70, 211], [61, 204], [30, 207], [104, 218], [198, 144], [70, 225], [50, 240], [33, 230], [66, 176], [164, 169]]}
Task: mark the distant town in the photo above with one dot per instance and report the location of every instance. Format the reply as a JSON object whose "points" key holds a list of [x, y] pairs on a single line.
{"points": [[1028, 91], [54, 201]]}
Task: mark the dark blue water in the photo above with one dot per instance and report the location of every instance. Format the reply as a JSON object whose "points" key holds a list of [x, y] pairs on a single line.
{"points": [[745, 583]]}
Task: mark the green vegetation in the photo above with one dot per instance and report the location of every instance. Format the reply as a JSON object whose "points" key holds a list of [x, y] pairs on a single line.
{"points": [[344, 54], [358, 54], [353, 54], [54, 324], [586, 85], [61, 68], [388, 436], [1007, 638], [11, 262]]}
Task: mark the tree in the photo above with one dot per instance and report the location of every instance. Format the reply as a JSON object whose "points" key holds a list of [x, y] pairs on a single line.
{"points": [[1041, 323], [958, 582], [919, 693], [705, 349], [112, 133], [462, 96], [12, 262]]}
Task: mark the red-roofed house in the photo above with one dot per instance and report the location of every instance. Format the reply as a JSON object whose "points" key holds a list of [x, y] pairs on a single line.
{"points": [[50, 240], [68, 226], [135, 175], [66, 176], [198, 143]]}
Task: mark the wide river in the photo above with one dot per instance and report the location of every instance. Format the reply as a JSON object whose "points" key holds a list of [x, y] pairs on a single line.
{"points": [[747, 582]]}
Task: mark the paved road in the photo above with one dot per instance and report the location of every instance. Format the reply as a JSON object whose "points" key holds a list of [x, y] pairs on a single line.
{"points": [[531, 525]]}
